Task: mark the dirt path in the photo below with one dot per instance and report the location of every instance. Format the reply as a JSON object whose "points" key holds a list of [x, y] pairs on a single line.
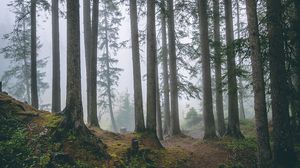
{"points": [[203, 155]]}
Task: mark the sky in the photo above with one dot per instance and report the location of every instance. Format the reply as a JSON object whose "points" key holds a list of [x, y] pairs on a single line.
{"points": [[44, 32]]}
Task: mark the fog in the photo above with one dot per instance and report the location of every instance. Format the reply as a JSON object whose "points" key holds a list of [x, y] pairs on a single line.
{"points": [[124, 56]]}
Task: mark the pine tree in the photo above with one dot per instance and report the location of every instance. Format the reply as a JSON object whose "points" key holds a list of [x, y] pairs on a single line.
{"points": [[261, 119], [209, 122], [138, 97], [218, 69], [175, 127], [16, 80], [56, 99], [109, 74], [233, 111], [283, 151]]}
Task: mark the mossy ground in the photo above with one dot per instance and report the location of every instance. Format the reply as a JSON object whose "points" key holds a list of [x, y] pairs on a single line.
{"points": [[26, 141]]}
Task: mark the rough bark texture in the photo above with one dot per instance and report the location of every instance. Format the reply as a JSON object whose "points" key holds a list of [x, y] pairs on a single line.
{"points": [[283, 151], [233, 129], [218, 69], [209, 122], [166, 89], [34, 92], [297, 4], [138, 97], [88, 48], [73, 112], [56, 99], [158, 107], [175, 127], [240, 80], [264, 155], [151, 68], [93, 65]]}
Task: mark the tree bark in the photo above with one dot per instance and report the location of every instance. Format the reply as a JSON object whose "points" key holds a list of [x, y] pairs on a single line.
{"points": [[218, 69], [56, 99], [175, 127], [283, 150], [88, 48], [34, 92], [137, 82], [93, 65], [240, 80], [297, 5], [73, 111], [166, 89], [151, 68], [209, 122], [261, 120], [233, 129]]}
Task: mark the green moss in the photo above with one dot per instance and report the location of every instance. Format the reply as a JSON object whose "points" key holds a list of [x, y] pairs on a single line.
{"points": [[44, 160], [238, 144], [51, 120]]}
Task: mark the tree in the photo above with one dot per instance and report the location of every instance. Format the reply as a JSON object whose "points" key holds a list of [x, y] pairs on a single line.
{"points": [[233, 111], [56, 99], [138, 97], [73, 112], [283, 151], [88, 48], [93, 65], [240, 81], [108, 73], [151, 68], [34, 89], [261, 119], [175, 127], [166, 90], [218, 69], [209, 122], [297, 27], [16, 80]]}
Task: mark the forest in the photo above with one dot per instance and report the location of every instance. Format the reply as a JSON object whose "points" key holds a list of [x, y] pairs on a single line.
{"points": [[150, 83]]}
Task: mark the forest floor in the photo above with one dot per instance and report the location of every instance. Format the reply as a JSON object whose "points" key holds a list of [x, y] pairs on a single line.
{"points": [[25, 141]]}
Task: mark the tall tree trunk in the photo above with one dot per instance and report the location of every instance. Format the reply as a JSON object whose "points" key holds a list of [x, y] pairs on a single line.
{"points": [[175, 127], [297, 4], [56, 99], [233, 129], [158, 107], [283, 146], [88, 48], [151, 68], [137, 82], [209, 122], [218, 69], [166, 89], [261, 120], [240, 80], [73, 111], [93, 65], [110, 103], [34, 89]]}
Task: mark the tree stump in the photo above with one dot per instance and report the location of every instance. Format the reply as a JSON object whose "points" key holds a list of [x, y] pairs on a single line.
{"points": [[134, 146]]}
